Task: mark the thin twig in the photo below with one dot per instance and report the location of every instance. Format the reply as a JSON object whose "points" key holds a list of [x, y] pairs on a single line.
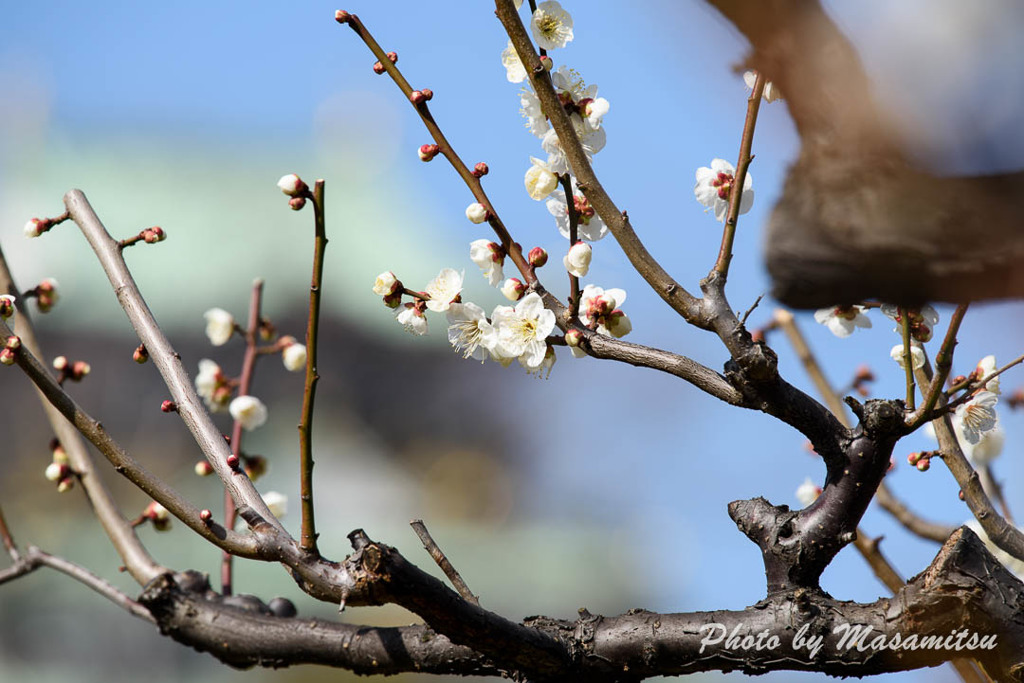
{"points": [[251, 335], [442, 561], [574, 221], [908, 358], [986, 379], [8, 539], [943, 364], [736, 190], [308, 536]]}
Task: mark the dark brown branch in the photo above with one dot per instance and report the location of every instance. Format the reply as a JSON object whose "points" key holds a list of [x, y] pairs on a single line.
{"points": [[442, 561]]}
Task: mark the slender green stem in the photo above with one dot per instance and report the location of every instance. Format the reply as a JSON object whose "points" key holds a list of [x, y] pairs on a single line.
{"points": [[943, 364], [244, 384], [308, 537], [908, 357], [742, 164]]}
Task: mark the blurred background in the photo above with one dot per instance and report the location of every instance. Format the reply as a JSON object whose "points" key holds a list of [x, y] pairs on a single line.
{"points": [[603, 486]]}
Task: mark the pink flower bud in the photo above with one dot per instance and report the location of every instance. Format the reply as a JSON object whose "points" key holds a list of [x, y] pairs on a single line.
{"points": [[6, 306], [537, 257], [154, 234], [141, 355], [13, 343], [573, 337], [428, 94], [169, 407], [233, 461], [428, 152], [417, 97], [546, 62], [480, 169], [913, 458], [79, 370], [65, 484], [923, 464], [296, 203], [205, 516], [342, 17], [392, 57], [203, 468], [513, 289], [292, 185], [7, 357], [378, 68]]}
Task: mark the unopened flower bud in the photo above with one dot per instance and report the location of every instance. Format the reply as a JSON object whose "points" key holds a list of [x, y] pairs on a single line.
{"points": [[913, 458], [296, 203], [47, 295], [428, 152], [169, 407], [546, 62], [537, 257], [428, 94], [6, 306], [294, 357], [292, 185], [924, 464], [342, 17], [392, 57], [141, 355], [203, 468], [79, 370], [60, 456], [480, 169], [65, 484], [154, 234], [56, 471], [476, 212], [255, 466], [573, 337], [577, 261], [864, 374], [233, 461], [378, 68], [960, 494], [386, 283], [417, 97], [205, 516], [513, 289], [7, 357], [60, 363], [36, 227], [13, 343], [393, 300], [158, 515], [959, 379]]}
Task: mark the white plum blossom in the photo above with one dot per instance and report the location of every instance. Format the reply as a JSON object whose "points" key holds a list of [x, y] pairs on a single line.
{"points": [[807, 492], [988, 448], [249, 411], [533, 113], [540, 181], [577, 261], [842, 320], [470, 332], [277, 502], [551, 26], [412, 319], [602, 306], [515, 72], [986, 366], [591, 140], [976, 417], [489, 257], [476, 212], [916, 355], [586, 109], [770, 92], [714, 185], [443, 289], [589, 225], [220, 325], [522, 330], [922, 320], [385, 284], [544, 369], [294, 357]]}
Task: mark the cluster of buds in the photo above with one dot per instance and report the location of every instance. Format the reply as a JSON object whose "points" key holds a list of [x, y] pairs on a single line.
{"points": [[59, 470], [922, 460], [7, 306], [390, 288], [378, 68], [293, 186], [9, 354], [419, 97], [157, 515], [428, 152], [45, 294], [70, 371]]}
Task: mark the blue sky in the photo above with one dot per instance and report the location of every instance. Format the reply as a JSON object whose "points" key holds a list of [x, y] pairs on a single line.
{"points": [[185, 114]]}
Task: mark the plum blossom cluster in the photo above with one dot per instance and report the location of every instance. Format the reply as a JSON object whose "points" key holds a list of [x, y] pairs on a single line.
{"points": [[59, 470]]}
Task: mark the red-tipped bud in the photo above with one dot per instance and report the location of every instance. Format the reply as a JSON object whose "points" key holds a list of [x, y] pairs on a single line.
{"points": [[141, 355], [428, 94], [546, 62], [428, 152], [158, 515], [296, 203], [60, 363], [914, 458], [417, 97], [392, 57], [537, 257], [79, 369], [924, 464], [154, 234], [13, 343], [378, 68], [292, 185], [205, 516], [959, 379], [960, 494], [757, 336], [480, 170], [342, 17], [573, 337], [203, 468], [233, 461], [513, 289], [65, 484], [6, 306], [169, 407], [56, 471], [864, 374]]}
